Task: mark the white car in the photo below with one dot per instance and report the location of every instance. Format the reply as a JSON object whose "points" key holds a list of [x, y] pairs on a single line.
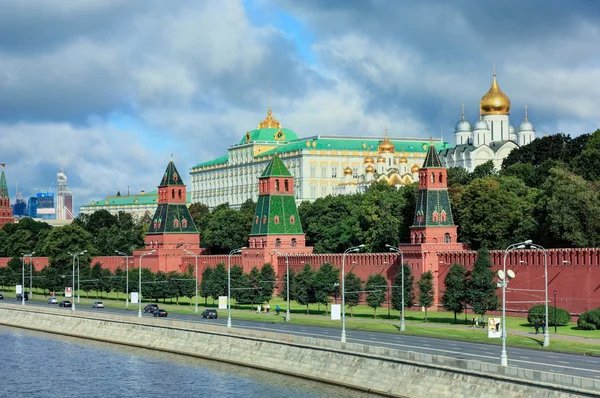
{"points": [[52, 300], [98, 304]]}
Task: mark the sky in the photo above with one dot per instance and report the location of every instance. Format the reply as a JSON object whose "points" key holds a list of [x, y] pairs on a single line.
{"points": [[108, 89]]}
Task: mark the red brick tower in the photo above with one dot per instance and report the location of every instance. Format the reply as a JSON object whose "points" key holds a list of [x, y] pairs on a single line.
{"points": [[6, 214]]}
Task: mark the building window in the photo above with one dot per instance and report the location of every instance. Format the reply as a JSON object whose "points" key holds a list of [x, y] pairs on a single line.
{"points": [[432, 177], [434, 216], [286, 186], [264, 220], [443, 216], [313, 192], [355, 172], [276, 185], [256, 220], [176, 223], [313, 171], [184, 223], [334, 171], [447, 238], [323, 192], [293, 242], [179, 194], [172, 194], [441, 178], [323, 171], [276, 220], [422, 237], [277, 242], [292, 220]]}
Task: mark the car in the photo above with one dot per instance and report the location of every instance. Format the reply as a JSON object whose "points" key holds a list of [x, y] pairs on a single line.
{"points": [[65, 303], [1, 296], [160, 313], [52, 300], [210, 314], [20, 297], [98, 304], [150, 308]]}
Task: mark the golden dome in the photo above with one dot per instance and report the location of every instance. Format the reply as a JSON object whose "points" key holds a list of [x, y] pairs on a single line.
{"points": [[495, 102], [269, 122], [347, 171], [369, 159], [381, 159], [414, 169], [370, 169], [403, 160], [386, 146]]}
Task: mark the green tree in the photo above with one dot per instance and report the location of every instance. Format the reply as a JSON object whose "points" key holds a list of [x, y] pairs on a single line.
{"points": [[352, 285], [304, 292], [283, 284], [254, 292], [426, 293], [454, 297], [201, 215], [239, 284], [326, 282], [457, 176], [62, 240], [219, 281], [409, 289], [267, 281], [587, 164], [205, 284], [376, 286], [556, 147], [224, 230], [483, 170], [481, 286]]}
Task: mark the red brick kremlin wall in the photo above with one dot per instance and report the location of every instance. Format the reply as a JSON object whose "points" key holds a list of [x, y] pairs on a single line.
{"points": [[573, 273]]}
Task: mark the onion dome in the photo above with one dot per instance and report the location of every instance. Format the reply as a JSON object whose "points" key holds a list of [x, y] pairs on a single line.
{"points": [[463, 126], [347, 171], [481, 124], [495, 102], [269, 122], [381, 159], [403, 160], [386, 146], [369, 160], [526, 124], [414, 169], [512, 130], [370, 169]]}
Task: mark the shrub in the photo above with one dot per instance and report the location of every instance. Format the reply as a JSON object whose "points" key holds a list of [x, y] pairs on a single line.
{"points": [[539, 312], [589, 320]]}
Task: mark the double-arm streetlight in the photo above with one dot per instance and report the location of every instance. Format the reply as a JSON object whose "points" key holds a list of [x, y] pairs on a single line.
{"points": [[75, 255], [196, 257], [353, 249], [140, 282], [287, 267], [231, 253], [78, 280], [538, 247], [23, 276], [126, 276], [396, 250]]}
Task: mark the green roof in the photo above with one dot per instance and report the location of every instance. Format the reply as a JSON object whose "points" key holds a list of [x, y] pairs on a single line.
{"points": [[276, 214], [3, 186], [171, 176], [269, 134], [221, 160], [130, 200], [275, 168], [430, 206], [432, 159], [172, 218]]}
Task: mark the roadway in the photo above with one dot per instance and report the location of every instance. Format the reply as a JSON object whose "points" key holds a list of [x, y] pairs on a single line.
{"points": [[568, 364]]}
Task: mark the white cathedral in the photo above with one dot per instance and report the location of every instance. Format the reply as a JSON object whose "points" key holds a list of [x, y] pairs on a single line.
{"points": [[491, 138]]}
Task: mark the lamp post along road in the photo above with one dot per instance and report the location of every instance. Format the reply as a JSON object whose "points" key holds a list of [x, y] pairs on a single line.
{"points": [[23, 275], [546, 331], [287, 267], [395, 249], [140, 282], [30, 277], [196, 257], [555, 311], [231, 253], [126, 276], [79, 254], [353, 249], [74, 255]]}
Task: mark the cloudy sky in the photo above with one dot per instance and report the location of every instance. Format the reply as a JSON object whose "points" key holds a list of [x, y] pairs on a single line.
{"points": [[108, 89]]}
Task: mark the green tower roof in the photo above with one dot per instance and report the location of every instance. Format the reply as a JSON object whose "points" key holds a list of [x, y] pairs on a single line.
{"points": [[432, 159], [171, 176], [276, 168], [172, 218], [276, 214], [3, 186]]}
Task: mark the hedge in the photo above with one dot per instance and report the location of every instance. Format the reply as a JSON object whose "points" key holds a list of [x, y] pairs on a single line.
{"points": [[589, 320], [539, 312]]}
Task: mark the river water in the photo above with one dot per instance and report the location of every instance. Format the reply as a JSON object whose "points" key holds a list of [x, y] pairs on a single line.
{"points": [[45, 365]]}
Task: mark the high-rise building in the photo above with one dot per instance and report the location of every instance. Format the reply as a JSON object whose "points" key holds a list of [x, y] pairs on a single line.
{"points": [[44, 204], [64, 198], [6, 214]]}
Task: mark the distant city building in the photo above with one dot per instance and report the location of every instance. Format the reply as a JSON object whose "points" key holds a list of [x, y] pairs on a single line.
{"points": [[318, 164], [64, 198], [145, 203], [6, 214], [44, 206], [32, 207], [19, 208], [492, 137]]}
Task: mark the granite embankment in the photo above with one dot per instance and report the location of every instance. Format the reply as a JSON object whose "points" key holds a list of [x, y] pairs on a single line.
{"points": [[376, 369]]}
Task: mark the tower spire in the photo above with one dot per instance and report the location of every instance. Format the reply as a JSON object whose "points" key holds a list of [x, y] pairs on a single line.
{"points": [[463, 111], [526, 107]]}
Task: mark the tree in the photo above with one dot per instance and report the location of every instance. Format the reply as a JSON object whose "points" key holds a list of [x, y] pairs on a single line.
{"points": [[239, 283], [558, 147], [304, 292], [482, 288], [376, 286], [457, 176], [326, 281], [454, 298], [426, 293], [483, 170], [205, 284], [267, 281], [201, 215], [225, 230], [587, 164], [352, 285], [254, 292], [219, 281], [409, 289], [283, 283]]}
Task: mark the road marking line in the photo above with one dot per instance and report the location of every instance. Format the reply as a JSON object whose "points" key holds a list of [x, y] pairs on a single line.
{"points": [[523, 357], [488, 353], [551, 356], [563, 362]]}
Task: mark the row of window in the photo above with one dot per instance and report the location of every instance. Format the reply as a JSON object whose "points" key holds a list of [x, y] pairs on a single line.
{"points": [[260, 243], [276, 220]]}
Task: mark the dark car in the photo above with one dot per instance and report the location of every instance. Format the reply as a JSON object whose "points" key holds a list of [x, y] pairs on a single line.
{"points": [[210, 314], [160, 313], [150, 308], [20, 297], [1, 296], [65, 303]]}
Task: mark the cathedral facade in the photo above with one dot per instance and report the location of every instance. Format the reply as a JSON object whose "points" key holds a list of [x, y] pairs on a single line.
{"points": [[492, 137]]}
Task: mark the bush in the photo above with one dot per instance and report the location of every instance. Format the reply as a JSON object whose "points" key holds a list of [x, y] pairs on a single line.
{"points": [[589, 320], [539, 312]]}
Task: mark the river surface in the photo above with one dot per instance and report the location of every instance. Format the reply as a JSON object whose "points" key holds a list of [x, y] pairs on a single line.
{"points": [[46, 365]]}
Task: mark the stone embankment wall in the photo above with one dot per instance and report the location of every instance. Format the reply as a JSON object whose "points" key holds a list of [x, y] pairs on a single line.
{"points": [[377, 369]]}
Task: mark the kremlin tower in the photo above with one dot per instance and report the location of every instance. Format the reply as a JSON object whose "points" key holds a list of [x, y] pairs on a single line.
{"points": [[6, 215]]}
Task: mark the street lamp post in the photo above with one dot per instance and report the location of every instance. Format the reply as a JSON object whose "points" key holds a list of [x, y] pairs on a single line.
{"points": [[287, 267], [30, 276], [23, 276], [231, 253], [74, 255], [395, 249], [85, 251], [126, 276], [546, 331], [140, 282], [555, 311], [353, 249], [196, 257]]}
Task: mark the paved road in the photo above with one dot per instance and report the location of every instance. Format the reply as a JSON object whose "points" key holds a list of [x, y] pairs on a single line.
{"points": [[576, 365]]}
